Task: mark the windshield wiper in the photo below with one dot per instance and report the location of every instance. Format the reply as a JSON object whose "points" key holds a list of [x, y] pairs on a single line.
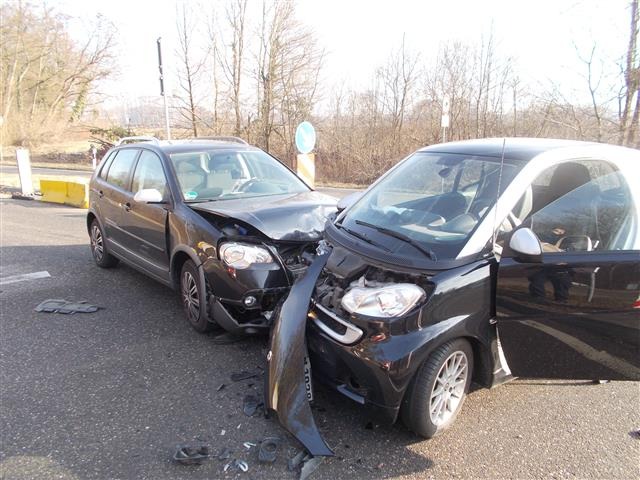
{"points": [[400, 236], [362, 237]]}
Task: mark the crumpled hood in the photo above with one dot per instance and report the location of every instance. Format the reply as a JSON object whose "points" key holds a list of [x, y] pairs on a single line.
{"points": [[292, 216]]}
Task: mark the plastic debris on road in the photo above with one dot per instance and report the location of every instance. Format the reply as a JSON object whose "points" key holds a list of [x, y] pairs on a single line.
{"points": [[65, 306], [191, 454]]}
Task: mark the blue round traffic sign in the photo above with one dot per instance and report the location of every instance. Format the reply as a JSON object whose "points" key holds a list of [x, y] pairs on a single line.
{"points": [[305, 137]]}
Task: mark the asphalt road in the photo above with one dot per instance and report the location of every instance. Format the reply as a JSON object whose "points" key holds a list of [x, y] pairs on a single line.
{"points": [[109, 394]]}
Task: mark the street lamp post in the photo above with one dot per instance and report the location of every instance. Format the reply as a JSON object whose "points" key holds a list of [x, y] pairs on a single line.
{"points": [[162, 92]]}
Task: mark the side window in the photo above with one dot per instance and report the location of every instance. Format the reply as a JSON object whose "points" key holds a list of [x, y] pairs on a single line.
{"points": [[105, 166], [118, 173], [595, 216], [149, 173]]}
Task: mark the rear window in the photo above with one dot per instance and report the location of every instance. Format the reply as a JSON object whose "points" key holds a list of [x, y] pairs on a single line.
{"points": [[118, 173]]}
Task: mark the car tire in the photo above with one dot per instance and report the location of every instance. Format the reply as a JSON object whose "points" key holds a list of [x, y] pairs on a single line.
{"points": [[427, 411], [99, 250], [193, 297]]}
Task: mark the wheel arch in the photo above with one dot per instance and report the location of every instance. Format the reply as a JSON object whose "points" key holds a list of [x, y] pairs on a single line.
{"points": [[178, 259]]}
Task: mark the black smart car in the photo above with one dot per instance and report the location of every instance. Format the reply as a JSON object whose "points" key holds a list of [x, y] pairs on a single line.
{"points": [[475, 260], [225, 223]]}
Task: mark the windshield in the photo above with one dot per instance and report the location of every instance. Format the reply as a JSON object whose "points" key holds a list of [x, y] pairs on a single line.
{"points": [[225, 174], [430, 204]]}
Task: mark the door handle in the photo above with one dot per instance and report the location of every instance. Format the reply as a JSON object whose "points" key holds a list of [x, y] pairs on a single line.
{"points": [[127, 207]]}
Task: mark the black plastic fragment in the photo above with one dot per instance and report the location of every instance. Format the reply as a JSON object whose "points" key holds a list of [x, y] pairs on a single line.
{"points": [[224, 454], [268, 449], [191, 454], [226, 339], [244, 375], [635, 434], [310, 466], [295, 461], [250, 405]]}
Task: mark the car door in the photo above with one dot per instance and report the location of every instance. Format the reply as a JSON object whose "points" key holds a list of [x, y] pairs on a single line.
{"points": [[144, 224], [574, 311], [114, 193]]}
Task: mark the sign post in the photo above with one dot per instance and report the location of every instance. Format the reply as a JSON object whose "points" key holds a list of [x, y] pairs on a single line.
{"points": [[445, 118], [24, 172], [162, 92], [305, 142]]}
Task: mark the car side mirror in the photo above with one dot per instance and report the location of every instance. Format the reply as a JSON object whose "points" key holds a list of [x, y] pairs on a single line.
{"points": [[525, 246], [148, 195], [349, 200]]}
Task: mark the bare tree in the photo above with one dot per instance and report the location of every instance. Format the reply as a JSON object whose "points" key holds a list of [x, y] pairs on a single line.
{"points": [[628, 112], [190, 67], [45, 74]]}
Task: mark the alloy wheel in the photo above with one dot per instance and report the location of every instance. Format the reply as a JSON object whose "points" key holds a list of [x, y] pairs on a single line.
{"points": [[190, 297], [448, 389], [96, 243]]}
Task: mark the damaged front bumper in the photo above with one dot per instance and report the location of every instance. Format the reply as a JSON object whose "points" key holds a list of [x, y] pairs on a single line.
{"points": [[285, 391]]}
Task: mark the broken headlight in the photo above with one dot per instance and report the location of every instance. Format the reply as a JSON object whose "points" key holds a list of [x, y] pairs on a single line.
{"points": [[241, 256], [387, 301]]}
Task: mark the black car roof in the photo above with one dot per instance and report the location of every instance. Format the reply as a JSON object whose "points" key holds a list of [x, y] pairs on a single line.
{"points": [[523, 149]]}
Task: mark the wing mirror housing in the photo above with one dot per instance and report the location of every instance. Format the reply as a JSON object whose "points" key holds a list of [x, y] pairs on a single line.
{"points": [[349, 200], [148, 195], [525, 246]]}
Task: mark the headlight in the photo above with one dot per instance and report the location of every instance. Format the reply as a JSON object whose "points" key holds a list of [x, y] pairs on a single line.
{"points": [[241, 256], [388, 301]]}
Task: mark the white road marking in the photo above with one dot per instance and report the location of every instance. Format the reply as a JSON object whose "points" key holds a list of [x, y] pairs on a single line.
{"points": [[24, 277]]}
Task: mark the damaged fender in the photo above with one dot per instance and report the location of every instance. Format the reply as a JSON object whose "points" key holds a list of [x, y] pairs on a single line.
{"points": [[285, 390]]}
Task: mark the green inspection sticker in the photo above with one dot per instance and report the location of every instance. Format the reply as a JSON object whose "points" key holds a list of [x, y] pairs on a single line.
{"points": [[190, 195]]}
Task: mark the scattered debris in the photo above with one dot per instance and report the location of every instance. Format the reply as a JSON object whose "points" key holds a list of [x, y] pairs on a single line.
{"points": [[600, 382], [222, 432], [226, 339], [248, 445], [251, 405], [236, 464], [65, 306], [191, 454], [268, 449], [244, 375], [224, 454], [222, 385], [311, 464], [635, 434], [369, 426], [296, 460]]}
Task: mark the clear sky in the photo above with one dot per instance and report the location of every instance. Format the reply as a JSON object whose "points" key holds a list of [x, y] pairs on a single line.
{"points": [[541, 35]]}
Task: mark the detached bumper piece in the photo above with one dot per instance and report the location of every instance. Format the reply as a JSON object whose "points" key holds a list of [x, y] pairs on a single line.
{"points": [[285, 386]]}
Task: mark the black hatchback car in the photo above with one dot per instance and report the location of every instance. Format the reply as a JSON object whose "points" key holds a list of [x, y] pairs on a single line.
{"points": [[224, 222], [475, 260]]}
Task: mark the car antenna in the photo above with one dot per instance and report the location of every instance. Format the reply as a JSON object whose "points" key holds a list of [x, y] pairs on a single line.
{"points": [[495, 211]]}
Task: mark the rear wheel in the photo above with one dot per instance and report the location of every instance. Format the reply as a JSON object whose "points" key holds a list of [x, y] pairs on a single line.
{"points": [[101, 255], [194, 299], [438, 389]]}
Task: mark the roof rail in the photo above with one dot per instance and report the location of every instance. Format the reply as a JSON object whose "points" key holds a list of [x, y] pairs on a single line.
{"points": [[223, 139], [124, 140]]}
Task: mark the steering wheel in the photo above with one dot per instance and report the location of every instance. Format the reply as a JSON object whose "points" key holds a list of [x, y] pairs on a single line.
{"points": [[243, 187]]}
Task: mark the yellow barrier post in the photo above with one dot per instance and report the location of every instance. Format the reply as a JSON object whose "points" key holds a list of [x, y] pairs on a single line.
{"points": [[75, 194]]}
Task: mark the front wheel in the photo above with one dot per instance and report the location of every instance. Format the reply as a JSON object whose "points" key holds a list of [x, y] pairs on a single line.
{"points": [[194, 299], [101, 255], [437, 391]]}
